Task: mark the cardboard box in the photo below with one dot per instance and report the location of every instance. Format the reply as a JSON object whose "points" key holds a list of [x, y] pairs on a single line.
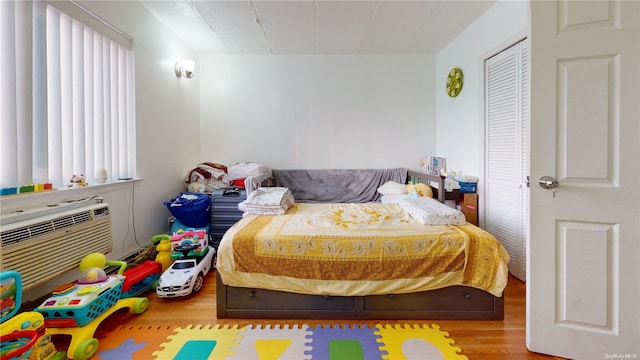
{"points": [[469, 207]]}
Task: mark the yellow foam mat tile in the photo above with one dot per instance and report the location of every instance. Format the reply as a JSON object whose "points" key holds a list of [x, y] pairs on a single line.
{"points": [[217, 340], [273, 342], [409, 342]]}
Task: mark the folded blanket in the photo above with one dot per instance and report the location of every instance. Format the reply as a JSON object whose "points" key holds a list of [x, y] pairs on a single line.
{"points": [[267, 201], [428, 211], [449, 184]]}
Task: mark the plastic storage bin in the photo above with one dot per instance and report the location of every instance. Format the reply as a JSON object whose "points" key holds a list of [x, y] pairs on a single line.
{"points": [[468, 187], [192, 209]]}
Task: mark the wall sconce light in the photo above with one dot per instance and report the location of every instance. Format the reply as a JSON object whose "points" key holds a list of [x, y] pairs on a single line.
{"points": [[185, 68]]}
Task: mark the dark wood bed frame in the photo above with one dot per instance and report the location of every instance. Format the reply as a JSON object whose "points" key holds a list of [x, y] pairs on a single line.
{"points": [[450, 303]]}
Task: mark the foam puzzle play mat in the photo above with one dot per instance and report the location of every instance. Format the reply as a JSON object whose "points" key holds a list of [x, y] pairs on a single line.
{"points": [[280, 342]]}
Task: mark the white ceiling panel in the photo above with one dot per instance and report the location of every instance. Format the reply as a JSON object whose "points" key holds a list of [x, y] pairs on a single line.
{"points": [[448, 22], [289, 25], [317, 26], [394, 25], [183, 19], [342, 25], [236, 24]]}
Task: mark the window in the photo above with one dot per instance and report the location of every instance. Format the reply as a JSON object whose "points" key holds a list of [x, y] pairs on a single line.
{"points": [[67, 95]]}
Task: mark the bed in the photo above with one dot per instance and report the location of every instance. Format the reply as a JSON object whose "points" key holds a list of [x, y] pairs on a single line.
{"points": [[295, 266]]}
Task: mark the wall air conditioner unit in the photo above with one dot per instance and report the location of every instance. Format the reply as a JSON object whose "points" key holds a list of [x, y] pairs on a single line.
{"points": [[42, 244]]}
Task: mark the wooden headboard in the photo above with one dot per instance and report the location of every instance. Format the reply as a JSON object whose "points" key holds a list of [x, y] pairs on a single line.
{"points": [[414, 177]]}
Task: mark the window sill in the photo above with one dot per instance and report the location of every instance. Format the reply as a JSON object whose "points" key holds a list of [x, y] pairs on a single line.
{"points": [[10, 203]]}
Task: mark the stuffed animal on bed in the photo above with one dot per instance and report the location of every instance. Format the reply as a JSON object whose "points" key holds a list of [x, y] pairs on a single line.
{"points": [[420, 189], [393, 192]]}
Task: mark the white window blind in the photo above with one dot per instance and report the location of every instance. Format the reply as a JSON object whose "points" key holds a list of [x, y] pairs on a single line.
{"points": [[67, 97]]}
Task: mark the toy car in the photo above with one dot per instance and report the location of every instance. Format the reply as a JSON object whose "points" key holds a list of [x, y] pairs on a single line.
{"points": [[186, 276]]}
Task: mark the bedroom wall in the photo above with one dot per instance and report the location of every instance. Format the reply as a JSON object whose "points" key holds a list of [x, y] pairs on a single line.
{"points": [[167, 116], [460, 120], [318, 111]]}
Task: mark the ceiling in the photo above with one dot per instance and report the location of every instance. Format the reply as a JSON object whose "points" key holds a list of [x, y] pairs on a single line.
{"points": [[317, 26]]}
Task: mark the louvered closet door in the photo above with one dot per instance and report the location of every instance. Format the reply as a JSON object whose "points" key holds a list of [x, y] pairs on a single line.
{"points": [[506, 193]]}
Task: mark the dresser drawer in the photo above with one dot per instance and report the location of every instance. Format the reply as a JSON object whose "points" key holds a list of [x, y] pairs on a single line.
{"points": [[245, 298], [439, 300]]}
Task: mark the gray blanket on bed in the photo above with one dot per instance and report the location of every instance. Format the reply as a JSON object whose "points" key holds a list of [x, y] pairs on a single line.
{"points": [[337, 185]]}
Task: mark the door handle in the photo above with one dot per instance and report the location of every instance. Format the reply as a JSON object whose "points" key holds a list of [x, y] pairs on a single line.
{"points": [[548, 182]]}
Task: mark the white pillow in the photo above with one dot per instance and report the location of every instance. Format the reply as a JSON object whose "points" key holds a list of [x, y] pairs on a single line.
{"points": [[392, 188], [431, 212]]}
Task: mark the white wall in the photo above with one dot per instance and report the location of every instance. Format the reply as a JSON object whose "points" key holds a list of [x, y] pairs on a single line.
{"points": [[460, 120], [167, 115], [297, 111]]}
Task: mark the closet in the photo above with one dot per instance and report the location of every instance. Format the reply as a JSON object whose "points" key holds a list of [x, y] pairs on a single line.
{"points": [[506, 152]]}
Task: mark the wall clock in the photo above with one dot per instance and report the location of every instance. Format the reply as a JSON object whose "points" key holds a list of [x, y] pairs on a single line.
{"points": [[454, 82]]}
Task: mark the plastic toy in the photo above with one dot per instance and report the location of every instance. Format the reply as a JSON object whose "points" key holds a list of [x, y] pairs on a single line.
{"points": [[18, 345], [77, 181], [23, 335], [78, 308], [188, 242], [10, 294], [186, 275], [163, 247]]}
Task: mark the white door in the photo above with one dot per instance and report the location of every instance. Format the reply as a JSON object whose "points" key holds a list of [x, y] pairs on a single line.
{"points": [[507, 151], [583, 278]]}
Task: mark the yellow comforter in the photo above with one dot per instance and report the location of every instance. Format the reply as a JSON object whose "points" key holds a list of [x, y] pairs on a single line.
{"points": [[358, 249]]}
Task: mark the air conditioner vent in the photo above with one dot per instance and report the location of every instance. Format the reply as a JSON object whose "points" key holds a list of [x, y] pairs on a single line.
{"points": [[16, 235], [41, 228], [62, 222], [44, 247], [82, 217]]}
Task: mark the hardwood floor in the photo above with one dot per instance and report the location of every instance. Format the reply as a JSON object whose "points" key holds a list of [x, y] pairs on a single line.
{"points": [[478, 339]]}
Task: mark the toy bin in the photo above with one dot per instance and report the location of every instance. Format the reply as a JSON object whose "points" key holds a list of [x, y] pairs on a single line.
{"points": [[468, 187], [192, 209]]}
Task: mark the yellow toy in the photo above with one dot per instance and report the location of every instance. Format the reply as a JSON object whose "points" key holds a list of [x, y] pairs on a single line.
{"points": [[421, 189], [163, 247], [424, 190], [43, 347], [23, 335], [83, 345], [78, 308]]}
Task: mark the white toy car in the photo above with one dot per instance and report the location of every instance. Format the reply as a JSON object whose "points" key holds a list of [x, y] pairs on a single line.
{"points": [[186, 276]]}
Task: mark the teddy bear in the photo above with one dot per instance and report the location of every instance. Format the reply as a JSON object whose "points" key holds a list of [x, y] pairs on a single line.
{"points": [[420, 189], [77, 181]]}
